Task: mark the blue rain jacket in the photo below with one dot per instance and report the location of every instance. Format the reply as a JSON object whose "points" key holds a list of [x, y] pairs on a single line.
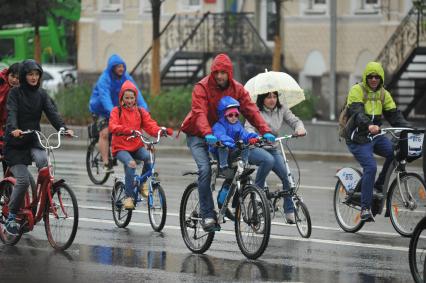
{"points": [[105, 93]]}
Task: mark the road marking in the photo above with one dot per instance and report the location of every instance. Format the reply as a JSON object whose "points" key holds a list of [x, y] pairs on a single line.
{"points": [[279, 237]]}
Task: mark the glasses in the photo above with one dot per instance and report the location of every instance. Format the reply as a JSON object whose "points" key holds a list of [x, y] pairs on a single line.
{"points": [[233, 115], [376, 77]]}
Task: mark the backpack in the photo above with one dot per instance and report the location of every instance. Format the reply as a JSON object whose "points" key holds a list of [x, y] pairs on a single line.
{"points": [[345, 122]]}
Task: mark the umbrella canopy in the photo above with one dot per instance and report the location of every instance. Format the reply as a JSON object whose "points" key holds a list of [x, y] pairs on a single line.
{"points": [[289, 91]]}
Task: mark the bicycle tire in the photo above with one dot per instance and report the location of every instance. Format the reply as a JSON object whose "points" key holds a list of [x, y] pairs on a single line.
{"points": [[5, 193], [304, 225], [94, 165], [258, 221], [157, 201], [194, 237], [120, 215], [54, 226], [405, 216], [417, 252], [348, 217]]}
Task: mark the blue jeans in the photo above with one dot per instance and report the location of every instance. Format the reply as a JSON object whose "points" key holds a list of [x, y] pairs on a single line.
{"points": [[125, 157], [363, 153], [227, 155], [267, 160], [199, 151]]}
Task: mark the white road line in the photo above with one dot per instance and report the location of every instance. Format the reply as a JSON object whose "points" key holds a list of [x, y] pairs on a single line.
{"points": [[279, 237]]}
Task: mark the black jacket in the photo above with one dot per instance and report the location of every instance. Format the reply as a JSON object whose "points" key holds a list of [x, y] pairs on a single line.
{"points": [[25, 105]]}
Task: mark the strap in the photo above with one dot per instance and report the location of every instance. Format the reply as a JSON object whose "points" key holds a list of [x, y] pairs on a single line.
{"points": [[139, 110], [364, 92], [365, 97]]}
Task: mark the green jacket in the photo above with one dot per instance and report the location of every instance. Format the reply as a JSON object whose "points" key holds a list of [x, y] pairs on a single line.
{"points": [[371, 111]]}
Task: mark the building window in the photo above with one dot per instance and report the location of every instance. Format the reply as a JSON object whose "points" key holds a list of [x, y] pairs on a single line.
{"points": [[316, 7], [271, 20], [368, 7], [190, 5], [111, 6]]}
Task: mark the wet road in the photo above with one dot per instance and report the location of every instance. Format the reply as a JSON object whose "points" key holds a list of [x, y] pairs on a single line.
{"points": [[103, 253]]}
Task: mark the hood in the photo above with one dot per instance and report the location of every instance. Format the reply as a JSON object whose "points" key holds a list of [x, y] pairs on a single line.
{"points": [[127, 85], [26, 67], [3, 75], [113, 61], [222, 62], [376, 68], [225, 103]]}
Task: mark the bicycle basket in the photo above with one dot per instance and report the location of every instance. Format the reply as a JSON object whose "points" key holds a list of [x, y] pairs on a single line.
{"points": [[410, 145], [93, 131]]}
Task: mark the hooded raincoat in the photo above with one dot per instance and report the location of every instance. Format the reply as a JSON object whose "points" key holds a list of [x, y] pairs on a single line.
{"points": [[372, 111], [205, 98], [4, 90], [105, 93], [123, 122]]}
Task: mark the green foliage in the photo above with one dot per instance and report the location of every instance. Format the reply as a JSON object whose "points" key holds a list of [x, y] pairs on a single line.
{"points": [[73, 104], [306, 109], [171, 106]]}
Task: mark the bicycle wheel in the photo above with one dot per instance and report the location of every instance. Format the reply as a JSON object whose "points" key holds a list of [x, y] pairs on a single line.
{"points": [[253, 232], [303, 219], [5, 193], [407, 204], [195, 238], [121, 216], [417, 252], [94, 165], [61, 226], [348, 213], [157, 208]]}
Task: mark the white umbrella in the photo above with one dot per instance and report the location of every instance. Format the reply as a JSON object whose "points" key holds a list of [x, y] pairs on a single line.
{"points": [[290, 93]]}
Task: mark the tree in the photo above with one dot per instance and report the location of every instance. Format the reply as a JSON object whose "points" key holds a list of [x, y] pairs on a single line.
{"points": [[155, 64]]}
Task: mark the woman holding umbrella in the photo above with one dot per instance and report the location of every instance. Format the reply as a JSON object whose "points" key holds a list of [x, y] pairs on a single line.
{"points": [[274, 109]]}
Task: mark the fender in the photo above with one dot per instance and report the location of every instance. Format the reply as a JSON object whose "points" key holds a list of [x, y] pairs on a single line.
{"points": [[58, 183], [349, 177], [11, 180]]}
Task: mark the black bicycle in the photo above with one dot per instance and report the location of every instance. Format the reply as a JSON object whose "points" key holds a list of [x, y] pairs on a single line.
{"points": [[252, 215], [417, 252]]}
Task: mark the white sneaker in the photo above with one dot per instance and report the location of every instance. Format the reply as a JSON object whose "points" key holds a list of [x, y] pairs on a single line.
{"points": [[289, 218]]}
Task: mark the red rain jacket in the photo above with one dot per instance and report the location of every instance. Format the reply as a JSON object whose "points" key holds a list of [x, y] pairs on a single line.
{"points": [[122, 125], [206, 95], [4, 91]]}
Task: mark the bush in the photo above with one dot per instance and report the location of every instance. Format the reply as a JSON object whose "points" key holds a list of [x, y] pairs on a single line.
{"points": [[306, 109], [170, 107], [73, 104]]}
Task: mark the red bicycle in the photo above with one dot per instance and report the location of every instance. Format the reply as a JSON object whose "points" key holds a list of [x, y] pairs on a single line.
{"points": [[52, 200]]}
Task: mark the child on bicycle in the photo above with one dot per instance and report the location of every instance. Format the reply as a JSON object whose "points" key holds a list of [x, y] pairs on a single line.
{"points": [[25, 105], [229, 130], [125, 119]]}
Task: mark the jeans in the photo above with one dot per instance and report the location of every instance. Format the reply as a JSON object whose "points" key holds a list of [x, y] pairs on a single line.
{"points": [[363, 153], [24, 179], [125, 157], [267, 160], [199, 151], [225, 152]]}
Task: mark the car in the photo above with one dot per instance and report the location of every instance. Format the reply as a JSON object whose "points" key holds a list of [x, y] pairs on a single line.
{"points": [[58, 76]]}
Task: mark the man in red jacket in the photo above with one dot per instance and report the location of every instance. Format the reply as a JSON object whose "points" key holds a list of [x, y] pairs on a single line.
{"points": [[197, 126]]}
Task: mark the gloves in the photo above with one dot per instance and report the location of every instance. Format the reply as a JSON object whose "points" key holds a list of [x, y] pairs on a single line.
{"points": [[166, 131], [229, 144], [253, 140], [269, 137], [210, 139]]}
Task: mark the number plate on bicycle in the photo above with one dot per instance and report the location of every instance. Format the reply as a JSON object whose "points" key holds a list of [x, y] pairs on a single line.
{"points": [[349, 178]]}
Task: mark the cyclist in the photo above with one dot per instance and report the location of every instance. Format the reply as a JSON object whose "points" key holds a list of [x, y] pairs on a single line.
{"points": [[125, 119], [105, 97], [25, 105], [9, 78], [366, 123], [197, 126], [275, 114]]}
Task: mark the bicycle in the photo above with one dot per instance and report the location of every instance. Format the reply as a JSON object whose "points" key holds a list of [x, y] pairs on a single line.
{"points": [[276, 199], [252, 216], [94, 163], [54, 202], [405, 198], [156, 200], [417, 252]]}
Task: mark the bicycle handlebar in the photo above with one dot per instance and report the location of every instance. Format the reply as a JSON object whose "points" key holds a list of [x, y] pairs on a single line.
{"points": [[39, 134], [145, 139]]}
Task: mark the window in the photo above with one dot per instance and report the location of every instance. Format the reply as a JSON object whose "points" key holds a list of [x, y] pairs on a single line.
{"points": [[7, 48], [316, 7], [190, 5], [271, 20], [111, 6], [367, 7]]}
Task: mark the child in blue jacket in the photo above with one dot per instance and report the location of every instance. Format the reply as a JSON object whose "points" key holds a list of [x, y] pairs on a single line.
{"points": [[229, 130]]}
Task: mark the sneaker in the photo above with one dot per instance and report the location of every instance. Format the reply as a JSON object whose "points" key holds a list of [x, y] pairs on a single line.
{"points": [[144, 189], [129, 203], [210, 225], [108, 169], [12, 227], [289, 218], [366, 215], [226, 172]]}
